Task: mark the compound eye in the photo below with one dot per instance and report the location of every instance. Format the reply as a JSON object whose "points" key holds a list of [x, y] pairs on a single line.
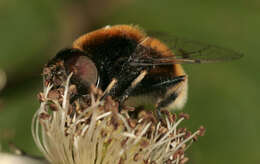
{"points": [[83, 68]]}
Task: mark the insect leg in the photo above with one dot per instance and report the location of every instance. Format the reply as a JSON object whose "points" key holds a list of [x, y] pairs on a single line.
{"points": [[133, 85], [111, 85], [171, 82], [176, 88]]}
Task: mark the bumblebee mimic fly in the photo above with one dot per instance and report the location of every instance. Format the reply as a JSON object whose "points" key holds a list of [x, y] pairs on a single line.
{"points": [[135, 68]]}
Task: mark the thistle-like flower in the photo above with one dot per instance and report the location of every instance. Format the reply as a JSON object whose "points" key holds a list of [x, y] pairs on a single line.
{"points": [[91, 130]]}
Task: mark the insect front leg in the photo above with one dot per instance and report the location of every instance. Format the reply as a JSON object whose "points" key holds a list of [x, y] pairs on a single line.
{"points": [[113, 84], [130, 89]]}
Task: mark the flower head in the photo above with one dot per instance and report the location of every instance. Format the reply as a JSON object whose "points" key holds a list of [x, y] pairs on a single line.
{"points": [[89, 130]]}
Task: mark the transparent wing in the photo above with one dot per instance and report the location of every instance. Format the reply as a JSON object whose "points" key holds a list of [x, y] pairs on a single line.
{"points": [[188, 51]]}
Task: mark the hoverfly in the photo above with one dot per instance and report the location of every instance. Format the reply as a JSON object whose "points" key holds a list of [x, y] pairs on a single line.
{"points": [[142, 68]]}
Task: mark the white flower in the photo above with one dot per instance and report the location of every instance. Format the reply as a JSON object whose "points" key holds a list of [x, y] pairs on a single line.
{"points": [[75, 133]]}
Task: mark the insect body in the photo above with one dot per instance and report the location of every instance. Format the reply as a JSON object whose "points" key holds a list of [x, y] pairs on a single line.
{"points": [[142, 68]]}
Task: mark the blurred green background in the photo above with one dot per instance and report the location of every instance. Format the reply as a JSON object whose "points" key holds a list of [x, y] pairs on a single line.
{"points": [[223, 97]]}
